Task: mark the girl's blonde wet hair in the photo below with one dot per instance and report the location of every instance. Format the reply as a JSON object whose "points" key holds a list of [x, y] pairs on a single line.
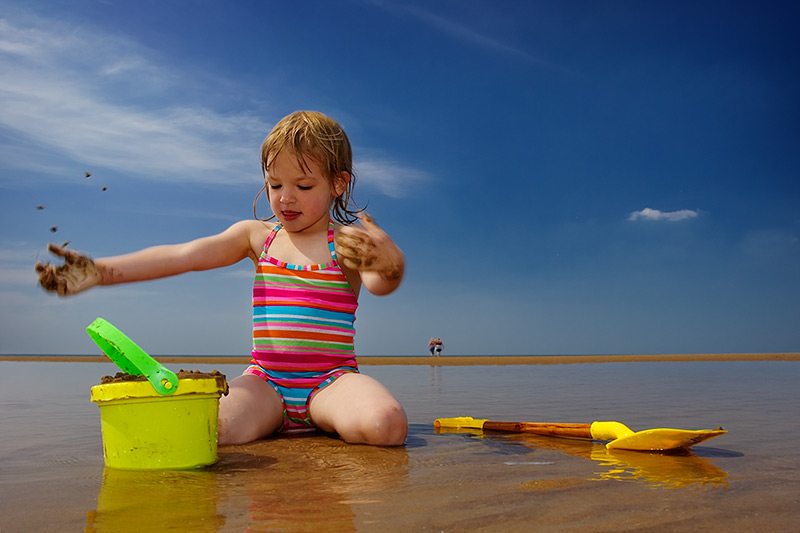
{"points": [[312, 135]]}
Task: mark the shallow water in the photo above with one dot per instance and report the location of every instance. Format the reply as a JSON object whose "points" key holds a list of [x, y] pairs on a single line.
{"points": [[52, 475]]}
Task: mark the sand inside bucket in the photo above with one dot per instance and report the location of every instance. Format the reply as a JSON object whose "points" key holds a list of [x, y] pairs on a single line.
{"points": [[123, 377]]}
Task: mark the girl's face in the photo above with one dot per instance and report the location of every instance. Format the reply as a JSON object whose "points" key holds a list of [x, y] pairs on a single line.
{"points": [[301, 197]]}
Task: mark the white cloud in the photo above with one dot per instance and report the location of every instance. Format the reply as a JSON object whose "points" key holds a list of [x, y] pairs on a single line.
{"points": [[670, 216], [105, 101], [456, 30], [100, 100], [391, 179]]}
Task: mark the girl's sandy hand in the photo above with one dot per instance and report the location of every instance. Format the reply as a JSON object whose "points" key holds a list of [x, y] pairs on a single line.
{"points": [[369, 248], [77, 274]]}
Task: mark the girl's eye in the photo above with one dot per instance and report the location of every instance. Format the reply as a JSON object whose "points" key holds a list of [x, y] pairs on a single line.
{"points": [[274, 186], [304, 187]]}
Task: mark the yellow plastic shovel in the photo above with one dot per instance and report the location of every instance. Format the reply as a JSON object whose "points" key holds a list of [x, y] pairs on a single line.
{"points": [[619, 435]]}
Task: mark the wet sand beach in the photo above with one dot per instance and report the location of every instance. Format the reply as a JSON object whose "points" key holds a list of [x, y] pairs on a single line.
{"points": [[445, 360], [52, 474]]}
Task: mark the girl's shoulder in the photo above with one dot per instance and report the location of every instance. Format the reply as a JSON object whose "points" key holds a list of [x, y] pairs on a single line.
{"points": [[253, 227], [253, 223], [254, 232]]}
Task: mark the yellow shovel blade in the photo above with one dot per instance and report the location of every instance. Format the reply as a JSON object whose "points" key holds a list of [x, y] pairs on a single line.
{"points": [[663, 439]]}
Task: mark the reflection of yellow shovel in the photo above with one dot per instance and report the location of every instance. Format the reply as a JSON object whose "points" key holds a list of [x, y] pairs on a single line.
{"points": [[673, 470], [619, 435], [666, 471]]}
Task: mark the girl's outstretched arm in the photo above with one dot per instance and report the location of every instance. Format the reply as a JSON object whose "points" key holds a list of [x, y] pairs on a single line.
{"points": [[79, 272], [371, 252]]}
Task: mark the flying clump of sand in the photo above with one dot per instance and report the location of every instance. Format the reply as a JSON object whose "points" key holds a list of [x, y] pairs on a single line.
{"points": [[76, 266]]}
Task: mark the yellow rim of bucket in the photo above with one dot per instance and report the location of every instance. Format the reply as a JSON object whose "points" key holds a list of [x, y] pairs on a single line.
{"points": [[121, 390]]}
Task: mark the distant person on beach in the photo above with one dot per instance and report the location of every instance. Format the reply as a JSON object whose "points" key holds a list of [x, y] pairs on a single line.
{"points": [[314, 266], [439, 347], [432, 345]]}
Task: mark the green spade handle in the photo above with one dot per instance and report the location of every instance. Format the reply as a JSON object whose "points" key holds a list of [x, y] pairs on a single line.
{"points": [[130, 358]]}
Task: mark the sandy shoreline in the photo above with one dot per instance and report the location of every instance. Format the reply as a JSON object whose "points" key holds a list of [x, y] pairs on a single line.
{"points": [[443, 361], [747, 480]]}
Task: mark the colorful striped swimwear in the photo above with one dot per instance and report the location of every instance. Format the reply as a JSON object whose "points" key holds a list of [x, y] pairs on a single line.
{"points": [[303, 330]]}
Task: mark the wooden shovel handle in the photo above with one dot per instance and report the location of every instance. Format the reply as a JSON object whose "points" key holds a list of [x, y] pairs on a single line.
{"points": [[583, 431]]}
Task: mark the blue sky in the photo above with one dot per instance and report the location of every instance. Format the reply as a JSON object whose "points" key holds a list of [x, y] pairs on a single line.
{"points": [[564, 177]]}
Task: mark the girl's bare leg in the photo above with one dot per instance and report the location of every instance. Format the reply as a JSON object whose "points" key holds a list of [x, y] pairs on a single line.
{"points": [[251, 410], [361, 411]]}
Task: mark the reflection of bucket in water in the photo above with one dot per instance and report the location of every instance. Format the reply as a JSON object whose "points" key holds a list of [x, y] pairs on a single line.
{"points": [[143, 430], [156, 501]]}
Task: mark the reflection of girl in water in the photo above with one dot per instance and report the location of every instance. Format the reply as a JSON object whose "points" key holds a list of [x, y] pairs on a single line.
{"points": [[432, 345]]}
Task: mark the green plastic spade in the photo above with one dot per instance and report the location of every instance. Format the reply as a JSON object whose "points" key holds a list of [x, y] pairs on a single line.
{"points": [[130, 358]]}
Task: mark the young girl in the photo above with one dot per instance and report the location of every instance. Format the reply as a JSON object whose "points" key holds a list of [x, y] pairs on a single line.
{"points": [[309, 271]]}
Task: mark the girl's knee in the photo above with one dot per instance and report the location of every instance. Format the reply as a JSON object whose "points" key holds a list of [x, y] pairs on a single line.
{"points": [[384, 426], [396, 427], [361, 411]]}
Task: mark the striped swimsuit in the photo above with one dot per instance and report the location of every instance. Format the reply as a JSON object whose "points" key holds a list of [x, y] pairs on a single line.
{"points": [[303, 330]]}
